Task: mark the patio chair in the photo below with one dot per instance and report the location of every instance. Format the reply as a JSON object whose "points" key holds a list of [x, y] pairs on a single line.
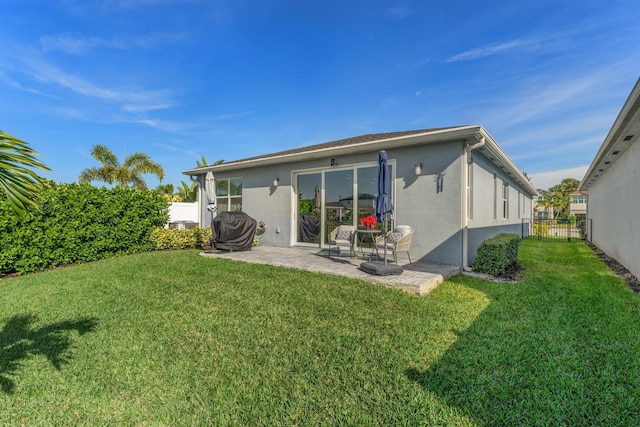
{"points": [[398, 240], [343, 236]]}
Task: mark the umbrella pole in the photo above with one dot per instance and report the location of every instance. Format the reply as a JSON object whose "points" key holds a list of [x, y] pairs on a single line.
{"points": [[384, 227]]}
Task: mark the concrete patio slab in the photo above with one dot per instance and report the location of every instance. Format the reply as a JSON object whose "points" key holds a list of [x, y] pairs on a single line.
{"points": [[418, 278]]}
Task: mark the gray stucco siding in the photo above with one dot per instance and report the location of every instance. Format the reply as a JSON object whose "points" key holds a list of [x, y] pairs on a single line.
{"points": [[431, 207]]}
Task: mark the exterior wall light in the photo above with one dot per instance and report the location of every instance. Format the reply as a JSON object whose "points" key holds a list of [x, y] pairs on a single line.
{"points": [[333, 162], [418, 169], [276, 182]]}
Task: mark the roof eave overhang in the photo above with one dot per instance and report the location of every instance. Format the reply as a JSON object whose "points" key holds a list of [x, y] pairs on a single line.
{"points": [[624, 132]]}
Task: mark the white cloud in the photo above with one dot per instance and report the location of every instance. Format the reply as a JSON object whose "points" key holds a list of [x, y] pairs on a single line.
{"points": [[67, 43], [494, 49], [546, 180], [77, 45]]}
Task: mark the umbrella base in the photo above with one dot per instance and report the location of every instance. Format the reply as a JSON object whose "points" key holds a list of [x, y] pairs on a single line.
{"points": [[380, 268]]}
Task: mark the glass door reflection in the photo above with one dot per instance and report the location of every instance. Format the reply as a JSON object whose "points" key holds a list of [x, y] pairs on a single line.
{"points": [[309, 208], [338, 202]]}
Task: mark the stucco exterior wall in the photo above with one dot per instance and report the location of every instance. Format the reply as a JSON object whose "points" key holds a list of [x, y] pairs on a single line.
{"points": [[430, 205], [486, 216], [613, 207]]}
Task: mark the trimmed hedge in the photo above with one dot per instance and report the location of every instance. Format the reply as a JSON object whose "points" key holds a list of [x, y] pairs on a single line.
{"points": [[77, 223], [187, 238], [496, 254]]}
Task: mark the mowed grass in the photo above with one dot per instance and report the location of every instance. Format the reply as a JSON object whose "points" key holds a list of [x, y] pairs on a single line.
{"points": [[172, 338]]}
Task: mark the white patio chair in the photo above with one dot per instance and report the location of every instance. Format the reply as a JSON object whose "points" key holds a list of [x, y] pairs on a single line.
{"points": [[343, 236], [398, 240]]}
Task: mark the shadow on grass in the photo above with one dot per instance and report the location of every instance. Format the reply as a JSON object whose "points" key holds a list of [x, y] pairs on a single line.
{"points": [[534, 357], [19, 340]]}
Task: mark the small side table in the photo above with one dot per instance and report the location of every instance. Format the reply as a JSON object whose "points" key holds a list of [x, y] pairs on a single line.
{"points": [[362, 233]]}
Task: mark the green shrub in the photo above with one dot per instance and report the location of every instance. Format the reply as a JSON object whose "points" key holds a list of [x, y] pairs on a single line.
{"points": [[186, 238], [78, 223], [496, 254]]}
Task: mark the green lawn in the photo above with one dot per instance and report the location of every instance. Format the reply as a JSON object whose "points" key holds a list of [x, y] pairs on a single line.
{"points": [[172, 338]]}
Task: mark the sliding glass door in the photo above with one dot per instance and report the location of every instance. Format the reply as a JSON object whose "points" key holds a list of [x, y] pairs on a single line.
{"points": [[327, 199], [309, 208], [338, 199]]}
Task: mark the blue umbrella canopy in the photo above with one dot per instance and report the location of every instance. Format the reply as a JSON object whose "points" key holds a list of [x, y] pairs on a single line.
{"points": [[383, 202]]}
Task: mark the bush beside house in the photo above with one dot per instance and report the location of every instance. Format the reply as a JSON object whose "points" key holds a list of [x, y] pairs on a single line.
{"points": [[496, 254], [78, 223], [186, 238]]}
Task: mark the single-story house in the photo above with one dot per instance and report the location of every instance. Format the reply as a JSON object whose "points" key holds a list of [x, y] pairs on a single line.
{"points": [[454, 186], [612, 181]]}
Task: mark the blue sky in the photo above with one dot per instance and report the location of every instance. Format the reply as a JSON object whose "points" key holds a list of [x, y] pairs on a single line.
{"points": [[181, 79]]}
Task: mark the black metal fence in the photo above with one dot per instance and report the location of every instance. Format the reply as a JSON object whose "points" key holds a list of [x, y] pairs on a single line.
{"points": [[556, 230]]}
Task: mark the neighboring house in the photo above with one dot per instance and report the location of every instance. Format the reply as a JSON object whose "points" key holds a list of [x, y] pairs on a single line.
{"points": [[540, 211], [612, 181], [578, 204], [455, 186]]}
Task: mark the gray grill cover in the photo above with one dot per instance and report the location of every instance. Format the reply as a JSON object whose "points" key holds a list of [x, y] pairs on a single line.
{"points": [[233, 231]]}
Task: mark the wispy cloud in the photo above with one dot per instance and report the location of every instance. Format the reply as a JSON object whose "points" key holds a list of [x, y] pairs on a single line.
{"points": [[131, 99], [77, 45], [141, 108], [130, 4], [495, 49], [153, 40], [544, 96], [231, 116], [67, 43]]}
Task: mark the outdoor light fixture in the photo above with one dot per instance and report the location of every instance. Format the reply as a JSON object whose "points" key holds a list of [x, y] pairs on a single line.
{"points": [[276, 182], [333, 162], [418, 169]]}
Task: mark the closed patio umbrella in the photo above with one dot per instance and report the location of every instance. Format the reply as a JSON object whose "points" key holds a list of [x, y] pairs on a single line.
{"points": [[383, 208], [210, 190], [383, 203]]}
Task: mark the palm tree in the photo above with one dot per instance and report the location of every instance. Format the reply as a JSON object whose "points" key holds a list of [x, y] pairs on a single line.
{"points": [[126, 174], [188, 193], [17, 180]]}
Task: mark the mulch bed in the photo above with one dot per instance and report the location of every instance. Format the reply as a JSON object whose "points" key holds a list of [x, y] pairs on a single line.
{"points": [[619, 269]]}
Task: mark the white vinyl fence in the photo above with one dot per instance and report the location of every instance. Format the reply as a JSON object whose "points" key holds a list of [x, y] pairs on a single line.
{"points": [[183, 215]]}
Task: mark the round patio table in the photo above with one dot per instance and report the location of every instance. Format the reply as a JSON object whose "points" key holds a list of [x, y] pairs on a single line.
{"points": [[362, 234]]}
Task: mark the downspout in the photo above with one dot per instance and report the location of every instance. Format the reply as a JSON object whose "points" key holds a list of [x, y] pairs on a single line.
{"points": [[199, 198], [466, 160]]}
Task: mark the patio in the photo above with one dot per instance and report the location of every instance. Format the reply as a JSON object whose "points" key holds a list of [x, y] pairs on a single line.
{"points": [[418, 278]]}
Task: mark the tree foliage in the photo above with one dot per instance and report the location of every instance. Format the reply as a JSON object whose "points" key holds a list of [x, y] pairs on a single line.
{"points": [[126, 174], [18, 181], [558, 197], [188, 193]]}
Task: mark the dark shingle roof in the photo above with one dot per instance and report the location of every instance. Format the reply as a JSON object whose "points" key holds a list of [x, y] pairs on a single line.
{"points": [[343, 143]]}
